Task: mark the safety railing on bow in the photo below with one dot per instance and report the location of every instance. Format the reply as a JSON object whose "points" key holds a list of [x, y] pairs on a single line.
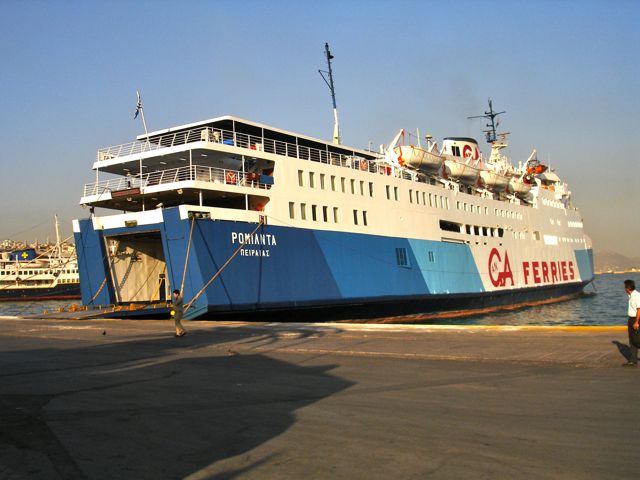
{"points": [[173, 175]]}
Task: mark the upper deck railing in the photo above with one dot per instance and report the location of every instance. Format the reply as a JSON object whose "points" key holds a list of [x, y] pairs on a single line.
{"points": [[227, 137], [174, 175]]}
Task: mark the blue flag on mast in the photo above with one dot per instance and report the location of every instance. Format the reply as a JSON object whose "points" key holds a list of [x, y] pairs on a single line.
{"points": [[138, 106]]}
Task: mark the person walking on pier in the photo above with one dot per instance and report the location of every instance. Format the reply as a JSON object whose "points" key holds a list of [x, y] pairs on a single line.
{"points": [[176, 312], [633, 323]]}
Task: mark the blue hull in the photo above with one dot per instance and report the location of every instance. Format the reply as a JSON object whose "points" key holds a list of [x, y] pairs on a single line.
{"points": [[281, 272]]}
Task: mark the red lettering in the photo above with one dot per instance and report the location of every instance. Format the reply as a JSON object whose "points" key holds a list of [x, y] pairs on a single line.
{"points": [[554, 272], [499, 272], [563, 267], [525, 270], [536, 274], [545, 272], [572, 274], [506, 272]]}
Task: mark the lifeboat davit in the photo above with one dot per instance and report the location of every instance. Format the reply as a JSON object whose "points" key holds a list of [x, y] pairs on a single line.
{"points": [[418, 158]]}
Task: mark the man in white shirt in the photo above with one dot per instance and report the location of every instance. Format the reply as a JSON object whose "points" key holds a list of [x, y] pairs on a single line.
{"points": [[634, 322]]}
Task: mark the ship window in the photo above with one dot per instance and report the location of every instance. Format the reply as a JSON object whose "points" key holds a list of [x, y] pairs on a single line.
{"points": [[301, 178], [456, 151], [333, 183], [430, 200], [322, 181], [501, 232], [484, 231], [418, 197], [469, 229], [449, 226], [325, 214], [353, 186], [410, 196], [432, 257], [401, 257], [311, 180], [486, 210], [395, 192], [291, 210], [476, 230], [303, 211], [355, 217], [424, 198], [361, 188], [335, 215], [371, 189], [364, 218], [314, 212], [342, 184], [388, 192], [536, 235]]}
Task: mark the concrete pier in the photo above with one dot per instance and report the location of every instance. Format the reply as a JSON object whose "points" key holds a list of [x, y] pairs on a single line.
{"points": [[109, 399]]}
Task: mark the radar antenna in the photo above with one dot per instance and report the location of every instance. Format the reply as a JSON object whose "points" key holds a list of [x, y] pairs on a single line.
{"points": [[329, 82], [491, 116]]}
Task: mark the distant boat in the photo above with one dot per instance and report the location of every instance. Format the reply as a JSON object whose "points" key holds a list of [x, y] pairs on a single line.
{"points": [[32, 274]]}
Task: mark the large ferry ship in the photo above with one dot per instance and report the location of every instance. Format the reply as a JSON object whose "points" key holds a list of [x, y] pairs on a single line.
{"points": [[39, 272], [248, 219]]}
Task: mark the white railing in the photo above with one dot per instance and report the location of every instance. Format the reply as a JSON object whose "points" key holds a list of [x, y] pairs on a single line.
{"points": [[173, 175], [231, 138]]}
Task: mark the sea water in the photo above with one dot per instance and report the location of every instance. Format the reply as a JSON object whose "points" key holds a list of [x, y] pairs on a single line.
{"points": [[604, 302]]}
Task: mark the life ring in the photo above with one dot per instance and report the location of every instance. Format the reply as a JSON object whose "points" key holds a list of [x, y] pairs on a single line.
{"points": [[260, 207], [231, 178], [363, 165]]}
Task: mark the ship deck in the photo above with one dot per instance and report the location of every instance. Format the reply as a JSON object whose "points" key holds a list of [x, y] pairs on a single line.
{"points": [[114, 399]]}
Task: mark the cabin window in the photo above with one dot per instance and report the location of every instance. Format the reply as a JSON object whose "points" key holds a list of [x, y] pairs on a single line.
{"points": [[336, 213], [449, 226], [291, 210], [361, 188], [536, 235], [333, 183], [401, 257], [469, 229], [410, 196], [301, 178], [395, 193], [424, 198], [355, 217], [476, 230], [455, 151], [342, 184], [418, 198], [325, 214], [371, 189], [432, 257], [314, 212], [388, 187], [484, 231], [353, 186], [303, 211], [364, 218], [322, 181], [311, 180]]}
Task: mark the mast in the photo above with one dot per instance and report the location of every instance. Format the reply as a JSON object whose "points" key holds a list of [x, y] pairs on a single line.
{"points": [[58, 246], [490, 134], [329, 82]]}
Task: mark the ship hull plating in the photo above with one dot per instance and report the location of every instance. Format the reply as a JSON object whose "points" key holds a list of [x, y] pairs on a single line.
{"points": [[295, 274]]}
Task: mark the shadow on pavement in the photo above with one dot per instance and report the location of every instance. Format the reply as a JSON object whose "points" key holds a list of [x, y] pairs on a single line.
{"points": [[159, 407]]}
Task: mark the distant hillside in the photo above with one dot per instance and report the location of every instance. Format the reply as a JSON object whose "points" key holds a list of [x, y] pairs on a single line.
{"points": [[606, 260]]}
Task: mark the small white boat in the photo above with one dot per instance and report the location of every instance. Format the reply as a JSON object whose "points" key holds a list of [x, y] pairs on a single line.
{"points": [[520, 186], [418, 158], [494, 180], [460, 170]]}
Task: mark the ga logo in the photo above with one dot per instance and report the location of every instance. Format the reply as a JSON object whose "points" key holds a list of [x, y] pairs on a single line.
{"points": [[500, 269]]}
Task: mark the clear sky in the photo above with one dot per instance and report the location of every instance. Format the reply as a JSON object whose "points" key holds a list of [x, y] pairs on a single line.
{"points": [[566, 72]]}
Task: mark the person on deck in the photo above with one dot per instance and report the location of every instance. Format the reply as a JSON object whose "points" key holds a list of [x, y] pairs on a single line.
{"points": [[633, 322], [176, 312]]}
